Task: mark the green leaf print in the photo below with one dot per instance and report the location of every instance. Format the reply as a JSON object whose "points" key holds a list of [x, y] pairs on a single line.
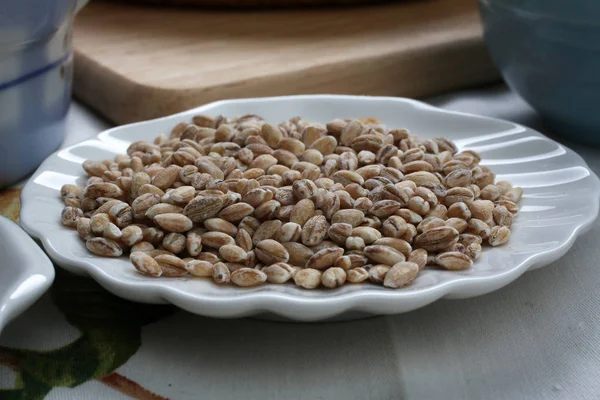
{"points": [[110, 334], [27, 388], [86, 305], [69, 366]]}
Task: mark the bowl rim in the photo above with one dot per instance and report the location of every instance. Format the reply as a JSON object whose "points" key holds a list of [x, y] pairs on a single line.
{"points": [[29, 279], [538, 15]]}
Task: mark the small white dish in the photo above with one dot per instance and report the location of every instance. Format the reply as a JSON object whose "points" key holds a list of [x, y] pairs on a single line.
{"points": [[561, 201], [25, 271]]}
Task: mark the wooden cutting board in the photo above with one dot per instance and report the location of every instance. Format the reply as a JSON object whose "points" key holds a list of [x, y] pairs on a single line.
{"points": [[135, 62]]}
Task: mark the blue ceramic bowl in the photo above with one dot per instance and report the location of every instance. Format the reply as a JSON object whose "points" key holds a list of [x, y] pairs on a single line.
{"points": [[548, 51], [35, 82]]}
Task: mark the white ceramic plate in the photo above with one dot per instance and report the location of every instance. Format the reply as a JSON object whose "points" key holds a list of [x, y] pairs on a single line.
{"points": [[560, 202], [25, 271]]}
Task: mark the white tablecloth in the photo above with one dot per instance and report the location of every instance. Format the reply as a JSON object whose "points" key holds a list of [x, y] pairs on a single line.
{"points": [[538, 338]]}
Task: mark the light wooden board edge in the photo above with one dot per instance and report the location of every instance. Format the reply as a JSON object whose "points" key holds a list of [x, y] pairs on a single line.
{"points": [[416, 72]]}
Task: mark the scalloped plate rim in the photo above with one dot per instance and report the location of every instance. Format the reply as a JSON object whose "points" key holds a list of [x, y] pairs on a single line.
{"points": [[245, 304]]}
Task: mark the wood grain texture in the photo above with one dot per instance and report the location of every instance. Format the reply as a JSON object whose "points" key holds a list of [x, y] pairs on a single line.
{"points": [[10, 203], [135, 63]]}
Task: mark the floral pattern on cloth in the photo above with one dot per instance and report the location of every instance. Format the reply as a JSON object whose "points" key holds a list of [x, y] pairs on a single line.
{"points": [[110, 334]]}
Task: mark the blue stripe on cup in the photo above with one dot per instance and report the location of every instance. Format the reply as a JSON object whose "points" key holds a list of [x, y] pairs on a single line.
{"points": [[33, 74]]}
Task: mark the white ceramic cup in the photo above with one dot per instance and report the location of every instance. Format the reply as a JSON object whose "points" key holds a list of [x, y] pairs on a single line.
{"points": [[35, 81]]}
